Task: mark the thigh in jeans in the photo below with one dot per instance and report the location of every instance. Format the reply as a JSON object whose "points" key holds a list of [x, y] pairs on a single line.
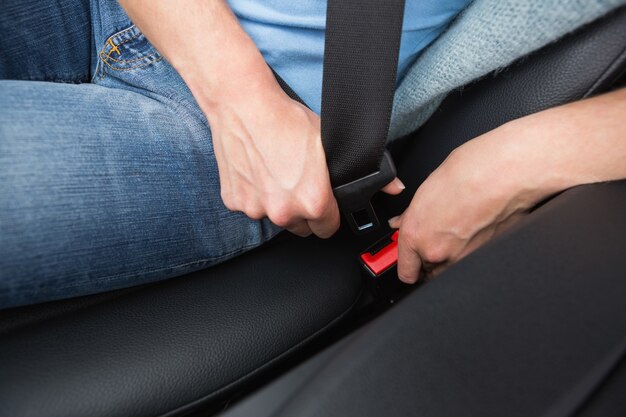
{"points": [[104, 188], [111, 184]]}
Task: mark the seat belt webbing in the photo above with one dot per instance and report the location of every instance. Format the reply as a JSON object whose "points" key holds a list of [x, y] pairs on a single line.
{"points": [[361, 49], [362, 43], [360, 65]]}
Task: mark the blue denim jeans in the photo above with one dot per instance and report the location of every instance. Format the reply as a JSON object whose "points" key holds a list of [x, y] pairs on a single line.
{"points": [[107, 172]]}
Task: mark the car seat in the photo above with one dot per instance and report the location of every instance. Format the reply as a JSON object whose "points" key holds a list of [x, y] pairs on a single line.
{"points": [[193, 343]]}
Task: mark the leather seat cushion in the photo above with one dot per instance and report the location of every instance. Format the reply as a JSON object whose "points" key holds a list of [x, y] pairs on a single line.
{"points": [[177, 344]]}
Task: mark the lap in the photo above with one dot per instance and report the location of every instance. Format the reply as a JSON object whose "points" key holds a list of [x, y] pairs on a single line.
{"points": [[110, 184], [104, 188]]}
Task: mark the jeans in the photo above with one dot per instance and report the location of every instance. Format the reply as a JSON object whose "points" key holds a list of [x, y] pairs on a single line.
{"points": [[107, 173]]}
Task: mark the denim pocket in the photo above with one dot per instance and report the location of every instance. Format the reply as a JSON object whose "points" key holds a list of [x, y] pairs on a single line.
{"points": [[124, 51]]}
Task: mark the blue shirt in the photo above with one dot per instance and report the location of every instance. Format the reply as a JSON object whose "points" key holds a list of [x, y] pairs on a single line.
{"points": [[290, 35]]}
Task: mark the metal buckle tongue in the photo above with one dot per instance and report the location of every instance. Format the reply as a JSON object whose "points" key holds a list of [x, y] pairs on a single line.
{"points": [[354, 197]]}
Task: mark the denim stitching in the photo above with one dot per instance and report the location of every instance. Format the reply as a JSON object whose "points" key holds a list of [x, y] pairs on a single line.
{"points": [[130, 60], [115, 35], [103, 74], [135, 66], [104, 57], [115, 46], [107, 43], [122, 32], [99, 66]]}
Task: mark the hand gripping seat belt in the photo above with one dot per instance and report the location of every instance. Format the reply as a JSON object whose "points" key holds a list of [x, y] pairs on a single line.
{"points": [[360, 68], [361, 49]]}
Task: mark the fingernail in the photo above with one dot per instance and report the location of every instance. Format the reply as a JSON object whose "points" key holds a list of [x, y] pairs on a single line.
{"points": [[393, 221], [399, 183]]}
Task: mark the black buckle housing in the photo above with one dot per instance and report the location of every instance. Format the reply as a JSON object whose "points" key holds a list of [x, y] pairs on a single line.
{"points": [[379, 263], [354, 197]]}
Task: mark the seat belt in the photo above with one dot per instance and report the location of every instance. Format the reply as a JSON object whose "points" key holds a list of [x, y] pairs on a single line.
{"points": [[361, 49], [362, 44]]}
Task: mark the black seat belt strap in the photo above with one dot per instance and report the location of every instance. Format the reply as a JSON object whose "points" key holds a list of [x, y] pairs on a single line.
{"points": [[360, 68]]}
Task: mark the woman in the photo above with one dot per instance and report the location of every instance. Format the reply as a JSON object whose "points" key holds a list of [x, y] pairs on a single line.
{"points": [[183, 151]]}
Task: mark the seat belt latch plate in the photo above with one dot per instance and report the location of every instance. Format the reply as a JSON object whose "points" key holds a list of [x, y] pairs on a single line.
{"points": [[354, 197]]}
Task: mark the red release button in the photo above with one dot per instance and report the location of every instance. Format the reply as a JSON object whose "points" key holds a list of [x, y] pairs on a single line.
{"points": [[383, 259]]}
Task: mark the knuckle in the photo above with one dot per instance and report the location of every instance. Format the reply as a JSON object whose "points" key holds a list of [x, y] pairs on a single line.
{"points": [[435, 253], [281, 214], [429, 248], [254, 212], [410, 237], [315, 198], [315, 207], [229, 201]]}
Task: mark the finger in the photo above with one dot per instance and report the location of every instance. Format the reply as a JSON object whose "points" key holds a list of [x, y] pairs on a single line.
{"points": [[254, 211], [224, 176], [300, 228], [395, 222], [409, 262], [328, 223], [394, 187]]}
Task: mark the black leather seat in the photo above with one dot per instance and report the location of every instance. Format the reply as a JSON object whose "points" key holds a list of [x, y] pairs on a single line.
{"points": [[179, 344], [169, 348]]}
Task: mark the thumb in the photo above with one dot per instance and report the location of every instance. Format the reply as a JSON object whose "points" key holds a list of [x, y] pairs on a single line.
{"points": [[409, 261], [394, 187], [395, 221], [328, 223]]}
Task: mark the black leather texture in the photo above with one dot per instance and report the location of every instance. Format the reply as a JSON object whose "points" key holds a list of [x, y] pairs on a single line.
{"points": [[168, 348], [609, 398]]}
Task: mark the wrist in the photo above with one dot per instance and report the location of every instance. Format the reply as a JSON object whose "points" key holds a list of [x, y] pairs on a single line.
{"points": [[531, 160], [219, 75], [508, 165], [236, 76], [240, 81]]}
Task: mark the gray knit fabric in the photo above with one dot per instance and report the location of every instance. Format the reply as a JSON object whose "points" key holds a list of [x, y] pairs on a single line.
{"points": [[488, 35]]}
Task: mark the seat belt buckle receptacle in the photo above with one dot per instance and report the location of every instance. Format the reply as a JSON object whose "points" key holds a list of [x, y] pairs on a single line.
{"points": [[354, 198], [381, 256], [380, 266]]}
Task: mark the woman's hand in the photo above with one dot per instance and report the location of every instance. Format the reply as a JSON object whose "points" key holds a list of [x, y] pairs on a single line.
{"points": [[272, 163], [268, 147], [475, 193], [488, 183]]}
